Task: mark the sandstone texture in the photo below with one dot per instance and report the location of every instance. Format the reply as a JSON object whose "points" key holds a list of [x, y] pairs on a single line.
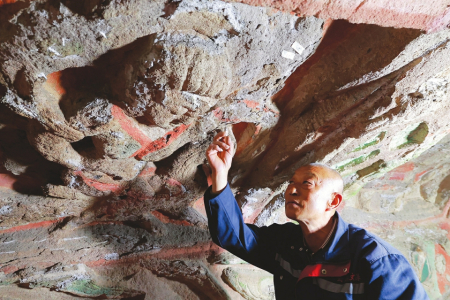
{"points": [[434, 15], [107, 108]]}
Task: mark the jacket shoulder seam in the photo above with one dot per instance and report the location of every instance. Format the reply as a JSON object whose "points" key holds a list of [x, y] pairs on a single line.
{"points": [[380, 244], [380, 257]]}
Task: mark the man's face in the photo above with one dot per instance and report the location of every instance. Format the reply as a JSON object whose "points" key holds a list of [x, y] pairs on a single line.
{"points": [[308, 194]]}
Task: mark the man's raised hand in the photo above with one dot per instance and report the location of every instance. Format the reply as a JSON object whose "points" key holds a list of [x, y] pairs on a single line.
{"points": [[220, 156]]}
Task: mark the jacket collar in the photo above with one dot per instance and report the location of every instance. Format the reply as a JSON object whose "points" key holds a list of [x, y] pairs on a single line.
{"points": [[338, 248]]}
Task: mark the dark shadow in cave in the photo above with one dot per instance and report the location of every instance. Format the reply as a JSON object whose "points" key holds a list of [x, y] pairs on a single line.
{"points": [[3, 91], [26, 170], [105, 79], [7, 29], [82, 85]]}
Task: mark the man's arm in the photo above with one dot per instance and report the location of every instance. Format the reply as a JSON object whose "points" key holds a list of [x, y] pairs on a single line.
{"points": [[228, 230], [392, 277], [226, 225]]}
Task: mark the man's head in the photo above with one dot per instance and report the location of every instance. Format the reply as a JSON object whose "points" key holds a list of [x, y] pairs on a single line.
{"points": [[314, 193]]}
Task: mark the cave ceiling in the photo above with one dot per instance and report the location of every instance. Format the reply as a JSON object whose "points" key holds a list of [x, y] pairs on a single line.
{"points": [[107, 108]]}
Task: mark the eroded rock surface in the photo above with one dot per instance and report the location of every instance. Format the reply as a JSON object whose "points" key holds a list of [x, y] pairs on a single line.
{"points": [[433, 16], [107, 108]]}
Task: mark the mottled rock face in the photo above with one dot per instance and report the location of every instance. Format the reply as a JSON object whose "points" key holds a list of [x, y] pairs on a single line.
{"points": [[107, 108], [433, 16]]}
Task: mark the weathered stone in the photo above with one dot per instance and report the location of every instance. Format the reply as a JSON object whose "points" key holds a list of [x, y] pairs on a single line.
{"points": [[250, 283], [410, 14]]}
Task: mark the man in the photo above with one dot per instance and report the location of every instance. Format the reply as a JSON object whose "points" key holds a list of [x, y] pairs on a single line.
{"points": [[321, 258]]}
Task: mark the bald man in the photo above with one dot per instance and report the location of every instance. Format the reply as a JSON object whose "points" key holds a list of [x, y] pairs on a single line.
{"points": [[321, 258]]}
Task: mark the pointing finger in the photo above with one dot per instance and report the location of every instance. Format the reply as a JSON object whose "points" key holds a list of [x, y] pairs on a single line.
{"points": [[221, 144]]}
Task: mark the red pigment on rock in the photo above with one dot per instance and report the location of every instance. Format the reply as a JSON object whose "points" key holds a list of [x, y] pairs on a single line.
{"points": [[9, 269], [7, 181], [394, 18], [243, 146], [147, 172], [420, 174], [129, 126], [387, 187], [243, 138], [101, 262], [187, 252], [258, 130], [218, 113], [401, 13], [54, 82], [397, 176], [408, 167], [251, 103], [271, 110], [441, 278], [3, 2], [446, 210], [161, 143], [440, 22], [326, 25], [104, 187], [446, 227], [165, 219], [238, 130], [30, 226], [196, 251], [176, 183], [199, 206]]}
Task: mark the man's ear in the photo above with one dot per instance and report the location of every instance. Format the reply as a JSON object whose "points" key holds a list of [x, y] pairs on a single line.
{"points": [[335, 201]]}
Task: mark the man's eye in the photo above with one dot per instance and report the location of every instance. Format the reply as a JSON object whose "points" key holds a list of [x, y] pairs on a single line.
{"points": [[307, 182]]}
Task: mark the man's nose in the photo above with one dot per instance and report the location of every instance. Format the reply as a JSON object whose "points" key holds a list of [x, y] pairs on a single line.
{"points": [[293, 191]]}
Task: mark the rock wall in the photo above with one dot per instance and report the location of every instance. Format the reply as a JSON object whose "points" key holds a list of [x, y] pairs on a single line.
{"points": [[107, 108], [431, 16]]}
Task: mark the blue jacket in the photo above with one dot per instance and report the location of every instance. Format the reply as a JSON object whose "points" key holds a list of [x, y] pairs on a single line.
{"points": [[354, 265]]}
